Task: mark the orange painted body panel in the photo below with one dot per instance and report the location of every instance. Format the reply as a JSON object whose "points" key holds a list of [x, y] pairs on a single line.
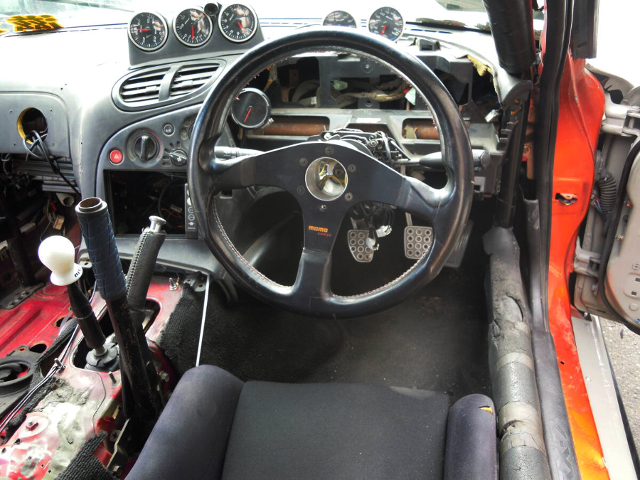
{"points": [[580, 116]]}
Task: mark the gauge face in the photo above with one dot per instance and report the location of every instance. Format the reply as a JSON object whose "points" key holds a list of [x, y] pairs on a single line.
{"points": [[148, 31], [386, 21], [238, 22], [251, 108], [192, 27], [339, 18]]}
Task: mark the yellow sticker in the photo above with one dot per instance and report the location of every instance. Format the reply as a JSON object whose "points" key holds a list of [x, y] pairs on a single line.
{"points": [[3, 31], [33, 23]]}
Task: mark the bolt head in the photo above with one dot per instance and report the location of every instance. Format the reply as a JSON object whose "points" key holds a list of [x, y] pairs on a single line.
{"points": [[323, 208], [300, 190], [328, 150], [348, 197], [303, 162], [351, 168], [31, 424]]}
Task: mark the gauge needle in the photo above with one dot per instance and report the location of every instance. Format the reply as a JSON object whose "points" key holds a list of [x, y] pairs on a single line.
{"points": [[248, 113], [142, 29], [242, 28], [383, 29], [191, 33]]}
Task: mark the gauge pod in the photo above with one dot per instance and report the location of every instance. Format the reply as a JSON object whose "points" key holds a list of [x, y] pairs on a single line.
{"points": [[148, 31], [192, 27], [339, 18], [251, 109], [387, 22], [238, 22]]}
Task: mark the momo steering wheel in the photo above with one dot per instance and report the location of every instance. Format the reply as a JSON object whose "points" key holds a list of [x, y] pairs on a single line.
{"points": [[300, 169]]}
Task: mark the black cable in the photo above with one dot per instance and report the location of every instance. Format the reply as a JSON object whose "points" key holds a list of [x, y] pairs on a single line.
{"points": [[37, 141]]}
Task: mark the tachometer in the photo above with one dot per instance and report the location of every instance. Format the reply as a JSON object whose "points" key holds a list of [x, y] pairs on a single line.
{"points": [[192, 27], [386, 21], [238, 22], [339, 18], [251, 108], [148, 31]]}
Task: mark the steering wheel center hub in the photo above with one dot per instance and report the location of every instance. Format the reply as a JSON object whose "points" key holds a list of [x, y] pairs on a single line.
{"points": [[326, 179]]}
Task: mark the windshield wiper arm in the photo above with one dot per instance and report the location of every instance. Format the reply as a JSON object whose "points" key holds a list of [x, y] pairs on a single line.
{"points": [[450, 25]]}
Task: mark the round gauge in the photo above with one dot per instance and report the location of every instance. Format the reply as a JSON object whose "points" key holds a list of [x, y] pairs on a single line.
{"points": [[339, 18], [251, 108], [148, 31], [192, 27], [386, 21], [238, 22]]}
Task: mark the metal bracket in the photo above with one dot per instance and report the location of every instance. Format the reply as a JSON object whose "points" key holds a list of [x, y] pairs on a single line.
{"points": [[585, 262]]}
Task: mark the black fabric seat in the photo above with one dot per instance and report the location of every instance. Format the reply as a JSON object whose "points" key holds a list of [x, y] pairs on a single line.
{"points": [[216, 426]]}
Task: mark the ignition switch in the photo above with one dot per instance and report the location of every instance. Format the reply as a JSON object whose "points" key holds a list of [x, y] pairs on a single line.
{"points": [[179, 158]]}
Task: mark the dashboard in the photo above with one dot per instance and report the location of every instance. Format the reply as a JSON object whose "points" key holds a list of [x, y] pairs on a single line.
{"points": [[118, 102]]}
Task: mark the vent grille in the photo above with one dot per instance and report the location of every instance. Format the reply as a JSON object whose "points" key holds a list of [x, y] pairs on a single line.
{"points": [[190, 78], [142, 89]]}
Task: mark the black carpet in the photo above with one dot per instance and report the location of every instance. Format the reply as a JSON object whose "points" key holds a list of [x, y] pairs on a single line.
{"points": [[436, 340]]}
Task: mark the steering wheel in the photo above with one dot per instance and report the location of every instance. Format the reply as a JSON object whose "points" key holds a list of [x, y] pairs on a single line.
{"points": [[301, 169]]}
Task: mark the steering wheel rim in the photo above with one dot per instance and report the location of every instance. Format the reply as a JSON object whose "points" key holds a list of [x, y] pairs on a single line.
{"points": [[448, 208]]}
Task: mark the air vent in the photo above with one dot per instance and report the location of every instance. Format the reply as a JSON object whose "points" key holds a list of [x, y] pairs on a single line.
{"points": [[190, 78], [144, 88]]}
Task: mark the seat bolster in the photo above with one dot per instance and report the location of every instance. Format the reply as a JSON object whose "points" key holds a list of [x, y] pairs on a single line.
{"points": [[471, 450], [190, 438]]}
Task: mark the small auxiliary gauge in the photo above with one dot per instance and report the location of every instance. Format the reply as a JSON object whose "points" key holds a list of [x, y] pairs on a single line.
{"points": [[387, 22], [251, 109], [238, 22], [148, 31], [192, 27], [339, 18]]}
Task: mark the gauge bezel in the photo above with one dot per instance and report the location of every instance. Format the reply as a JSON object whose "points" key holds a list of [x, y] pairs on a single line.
{"points": [[267, 115], [403, 24], [144, 49], [191, 45], [224, 34], [356, 26]]}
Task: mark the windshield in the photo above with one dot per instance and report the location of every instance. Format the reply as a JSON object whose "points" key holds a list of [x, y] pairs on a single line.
{"points": [[75, 13]]}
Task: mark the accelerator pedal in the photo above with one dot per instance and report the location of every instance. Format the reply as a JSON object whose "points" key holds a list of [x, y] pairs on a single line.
{"points": [[417, 241], [358, 246]]}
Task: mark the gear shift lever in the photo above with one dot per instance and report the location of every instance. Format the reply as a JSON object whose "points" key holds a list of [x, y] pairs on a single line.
{"points": [[57, 254]]}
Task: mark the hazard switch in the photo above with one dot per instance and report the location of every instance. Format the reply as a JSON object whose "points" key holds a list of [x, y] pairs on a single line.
{"points": [[116, 156]]}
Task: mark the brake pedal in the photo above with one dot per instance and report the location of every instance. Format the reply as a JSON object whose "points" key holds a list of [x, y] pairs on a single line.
{"points": [[358, 246], [417, 241]]}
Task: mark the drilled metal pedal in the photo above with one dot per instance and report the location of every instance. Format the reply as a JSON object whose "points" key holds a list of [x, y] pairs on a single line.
{"points": [[417, 241], [358, 246]]}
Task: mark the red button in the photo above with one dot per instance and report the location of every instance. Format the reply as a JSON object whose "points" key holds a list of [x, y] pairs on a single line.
{"points": [[116, 156]]}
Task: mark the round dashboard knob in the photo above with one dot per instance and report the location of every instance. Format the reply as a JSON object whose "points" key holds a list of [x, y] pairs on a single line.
{"points": [[145, 147]]}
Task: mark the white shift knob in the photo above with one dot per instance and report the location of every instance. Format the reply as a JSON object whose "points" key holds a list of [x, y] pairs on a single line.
{"points": [[57, 254]]}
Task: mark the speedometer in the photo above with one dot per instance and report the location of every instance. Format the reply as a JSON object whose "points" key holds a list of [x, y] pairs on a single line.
{"points": [[386, 21], [192, 27], [339, 18], [238, 22], [148, 31]]}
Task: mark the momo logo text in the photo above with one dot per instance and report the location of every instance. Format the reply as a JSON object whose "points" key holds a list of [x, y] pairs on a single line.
{"points": [[318, 229]]}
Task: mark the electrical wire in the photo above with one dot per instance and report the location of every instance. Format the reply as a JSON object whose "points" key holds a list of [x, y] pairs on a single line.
{"points": [[38, 142]]}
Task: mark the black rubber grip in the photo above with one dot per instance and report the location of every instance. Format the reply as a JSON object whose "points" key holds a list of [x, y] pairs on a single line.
{"points": [[95, 225]]}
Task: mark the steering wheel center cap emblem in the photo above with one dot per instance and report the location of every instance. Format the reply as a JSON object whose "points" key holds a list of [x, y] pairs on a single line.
{"points": [[326, 179]]}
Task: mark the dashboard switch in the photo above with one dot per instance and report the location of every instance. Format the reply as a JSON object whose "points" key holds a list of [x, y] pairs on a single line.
{"points": [[145, 148], [116, 156], [190, 225]]}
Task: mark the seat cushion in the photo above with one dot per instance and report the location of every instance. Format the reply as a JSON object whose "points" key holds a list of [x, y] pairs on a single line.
{"points": [[336, 431]]}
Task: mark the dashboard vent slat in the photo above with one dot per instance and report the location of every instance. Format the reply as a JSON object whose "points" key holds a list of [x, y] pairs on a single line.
{"points": [[143, 88], [190, 78], [160, 85]]}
